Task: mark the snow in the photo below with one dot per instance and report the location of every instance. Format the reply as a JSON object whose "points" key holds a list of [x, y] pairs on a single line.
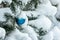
{"points": [[31, 32], [31, 14], [42, 9], [56, 33], [25, 1], [58, 15], [41, 22], [48, 36], [17, 35], [1, 1], [55, 2], [58, 12], [2, 12], [45, 9], [2, 33], [8, 1], [45, 2]]}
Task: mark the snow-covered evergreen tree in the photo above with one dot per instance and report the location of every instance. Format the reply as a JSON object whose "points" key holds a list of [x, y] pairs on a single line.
{"points": [[29, 19]]}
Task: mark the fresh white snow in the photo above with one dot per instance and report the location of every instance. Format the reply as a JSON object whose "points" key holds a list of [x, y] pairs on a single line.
{"points": [[55, 2], [41, 22], [25, 1], [2, 12], [17, 35], [56, 33], [48, 36], [2, 33]]}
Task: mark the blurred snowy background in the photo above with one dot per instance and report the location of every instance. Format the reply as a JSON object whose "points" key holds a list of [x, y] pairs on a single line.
{"points": [[29, 19]]}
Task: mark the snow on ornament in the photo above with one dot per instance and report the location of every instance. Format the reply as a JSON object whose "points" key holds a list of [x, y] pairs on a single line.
{"points": [[20, 21]]}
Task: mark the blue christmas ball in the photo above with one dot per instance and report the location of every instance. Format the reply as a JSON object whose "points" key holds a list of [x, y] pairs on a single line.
{"points": [[20, 21]]}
